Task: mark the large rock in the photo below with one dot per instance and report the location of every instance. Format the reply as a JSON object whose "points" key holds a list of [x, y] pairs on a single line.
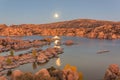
{"points": [[3, 78], [16, 74], [114, 36], [44, 72], [112, 73]]}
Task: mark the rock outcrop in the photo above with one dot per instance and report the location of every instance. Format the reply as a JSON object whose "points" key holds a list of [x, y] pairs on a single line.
{"points": [[8, 43], [112, 73], [69, 73], [15, 74], [44, 72], [3, 78], [80, 27]]}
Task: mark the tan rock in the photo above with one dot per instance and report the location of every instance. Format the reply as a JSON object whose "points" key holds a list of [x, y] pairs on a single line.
{"points": [[3, 78], [101, 35], [44, 72], [112, 73], [114, 36], [16, 74], [69, 42]]}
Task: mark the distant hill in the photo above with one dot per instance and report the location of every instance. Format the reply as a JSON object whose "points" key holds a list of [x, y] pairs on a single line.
{"points": [[80, 27]]}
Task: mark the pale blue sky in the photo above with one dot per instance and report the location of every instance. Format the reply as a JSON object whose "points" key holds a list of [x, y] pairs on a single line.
{"points": [[41, 11]]}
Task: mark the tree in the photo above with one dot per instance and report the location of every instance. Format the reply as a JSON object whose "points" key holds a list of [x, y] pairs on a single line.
{"points": [[73, 69], [9, 61], [34, 53], [11, 52]]}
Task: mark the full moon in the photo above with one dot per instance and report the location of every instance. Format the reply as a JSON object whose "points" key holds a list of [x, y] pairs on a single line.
{"points": [[56, 15]]}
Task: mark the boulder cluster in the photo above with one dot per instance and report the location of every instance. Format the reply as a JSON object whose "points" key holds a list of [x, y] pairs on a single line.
{"points": [[6, 44], [68, 73], [80, 27], [11, 61]]}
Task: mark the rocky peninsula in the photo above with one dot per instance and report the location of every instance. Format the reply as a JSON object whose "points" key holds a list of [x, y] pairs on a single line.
{"points": [[7, 43], [80, 27]]}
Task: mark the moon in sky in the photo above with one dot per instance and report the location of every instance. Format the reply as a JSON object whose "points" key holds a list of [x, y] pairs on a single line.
{"points": [[56, 15]]}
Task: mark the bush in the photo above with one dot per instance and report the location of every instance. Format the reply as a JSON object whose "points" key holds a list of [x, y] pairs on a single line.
{"points": [[11, 52], [9, 61], [34, 53], [74, 69]]}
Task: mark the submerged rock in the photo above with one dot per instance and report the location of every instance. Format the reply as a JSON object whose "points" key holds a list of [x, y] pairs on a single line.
{"points": [[69, 42]]}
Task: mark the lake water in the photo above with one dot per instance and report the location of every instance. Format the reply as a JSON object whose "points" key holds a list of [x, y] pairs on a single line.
{"points": [[83, 55]]}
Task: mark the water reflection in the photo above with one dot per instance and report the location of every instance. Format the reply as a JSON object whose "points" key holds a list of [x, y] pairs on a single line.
{"points": [[9, 72], [57, 47], [57, 44], [58, 62], [57, 40], [34, 65]]}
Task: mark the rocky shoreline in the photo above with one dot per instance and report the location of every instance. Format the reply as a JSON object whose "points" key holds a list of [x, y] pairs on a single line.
{"points": [[68, 73], [6, 44], [79, 27], [10, 62], [37, 55]]}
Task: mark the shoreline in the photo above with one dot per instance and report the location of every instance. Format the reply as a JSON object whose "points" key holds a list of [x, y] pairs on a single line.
{"points": [[87, 28], [40, 57]]}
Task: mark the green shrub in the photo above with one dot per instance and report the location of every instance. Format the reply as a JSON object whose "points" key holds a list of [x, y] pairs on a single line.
{"points": [[34, 53], [11, 52], [9, 61]]}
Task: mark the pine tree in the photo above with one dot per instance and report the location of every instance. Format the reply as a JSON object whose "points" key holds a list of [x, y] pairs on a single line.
{"points": [[9, 61], [34, 53], [11, 52]]}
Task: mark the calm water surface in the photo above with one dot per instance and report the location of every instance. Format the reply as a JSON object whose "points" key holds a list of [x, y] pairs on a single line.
{"points": [[83, 55]]}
